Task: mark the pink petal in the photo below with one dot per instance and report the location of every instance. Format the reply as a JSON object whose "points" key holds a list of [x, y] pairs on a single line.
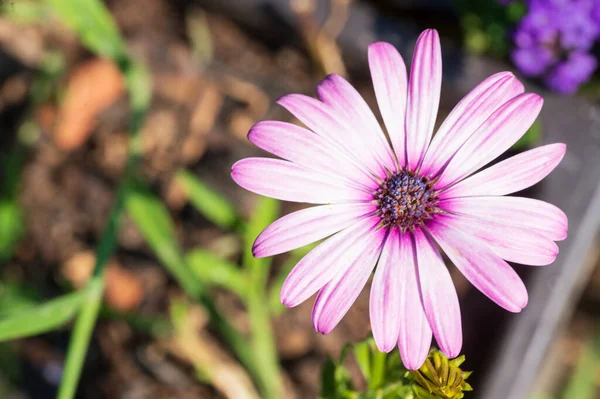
{"points": [[336, 92], [307, 226], [321, 119], [414, 338], [466, 117], [307, 149], [424, 88], [496, 135], [384, 304], [389, 80], [525, 213], [440, 300], [484, 269], [510, 243], [511, 175], [329, 259], [290, 182], [336, 297]]}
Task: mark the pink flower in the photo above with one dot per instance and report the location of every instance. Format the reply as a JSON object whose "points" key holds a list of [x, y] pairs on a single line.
{"points": [[393, 206]]}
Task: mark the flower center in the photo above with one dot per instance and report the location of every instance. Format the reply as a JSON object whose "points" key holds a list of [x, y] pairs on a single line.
{"points": [[405, 200]]}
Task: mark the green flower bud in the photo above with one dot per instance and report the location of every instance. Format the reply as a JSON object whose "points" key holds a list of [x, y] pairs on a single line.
{"points": [[440, 378]]}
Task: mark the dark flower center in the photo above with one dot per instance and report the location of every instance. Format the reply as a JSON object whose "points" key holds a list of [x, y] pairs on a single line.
{"points": [[405, 200]]}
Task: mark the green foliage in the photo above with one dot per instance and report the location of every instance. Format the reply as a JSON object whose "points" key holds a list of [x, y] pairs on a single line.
{"points": [[154, 223], [11, 227], [210, 204], [45, 317], [487, 23], [582, 384], [93, 24], [15, 297], [386, 377], [23, 11], [212, 270], [383, 372]]}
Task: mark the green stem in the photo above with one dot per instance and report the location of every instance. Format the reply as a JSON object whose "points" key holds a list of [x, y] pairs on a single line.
{"points": [[84, 326], [82, 332], [138, 86]]}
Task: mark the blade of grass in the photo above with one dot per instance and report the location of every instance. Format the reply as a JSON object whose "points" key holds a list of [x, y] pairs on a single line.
{"points": [[156, 226], [212, 205], [80, 339], [93, 24], [263, 342], [40, 319], [213, 270], [154, 223]]}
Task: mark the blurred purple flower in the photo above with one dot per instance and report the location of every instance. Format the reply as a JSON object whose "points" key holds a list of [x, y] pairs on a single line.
{"points": [[533, 61], [567, 76], [552, 41]]}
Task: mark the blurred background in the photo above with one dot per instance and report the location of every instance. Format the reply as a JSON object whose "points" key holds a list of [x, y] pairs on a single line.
{"points": [[118, 132]]}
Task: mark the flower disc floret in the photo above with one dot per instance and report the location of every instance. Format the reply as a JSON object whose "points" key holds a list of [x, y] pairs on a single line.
{"points": [[406, 200]]}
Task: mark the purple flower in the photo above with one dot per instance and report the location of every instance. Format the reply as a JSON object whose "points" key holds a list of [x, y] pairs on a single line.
{"points": [[549, 34], [393, 206], [568, 76], [533, 61]]}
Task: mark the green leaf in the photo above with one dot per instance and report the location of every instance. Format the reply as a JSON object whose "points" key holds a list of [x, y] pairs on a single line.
{"points": [[93, 24], [154, 223], [43, 318], [335, 381], [212, 270], [328, 383], [11, 228], [16, 297], [362, 354], [209, 203]]}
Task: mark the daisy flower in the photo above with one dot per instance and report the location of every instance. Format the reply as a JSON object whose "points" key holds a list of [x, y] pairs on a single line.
{"points": [[394, 201]]}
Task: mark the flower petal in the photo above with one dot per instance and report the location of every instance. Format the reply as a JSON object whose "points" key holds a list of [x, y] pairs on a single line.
{"points": [[290, 182], [307, 226], [424, 88], [485, 270], [388, 72], [525, 213], [384, 303], [414, 338], [336, 92], [440, 300], [511, 175], [336, 297], [513, 244], [496, 135], [321, 119], [307, 149], [466, 117], [329, 259]]}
